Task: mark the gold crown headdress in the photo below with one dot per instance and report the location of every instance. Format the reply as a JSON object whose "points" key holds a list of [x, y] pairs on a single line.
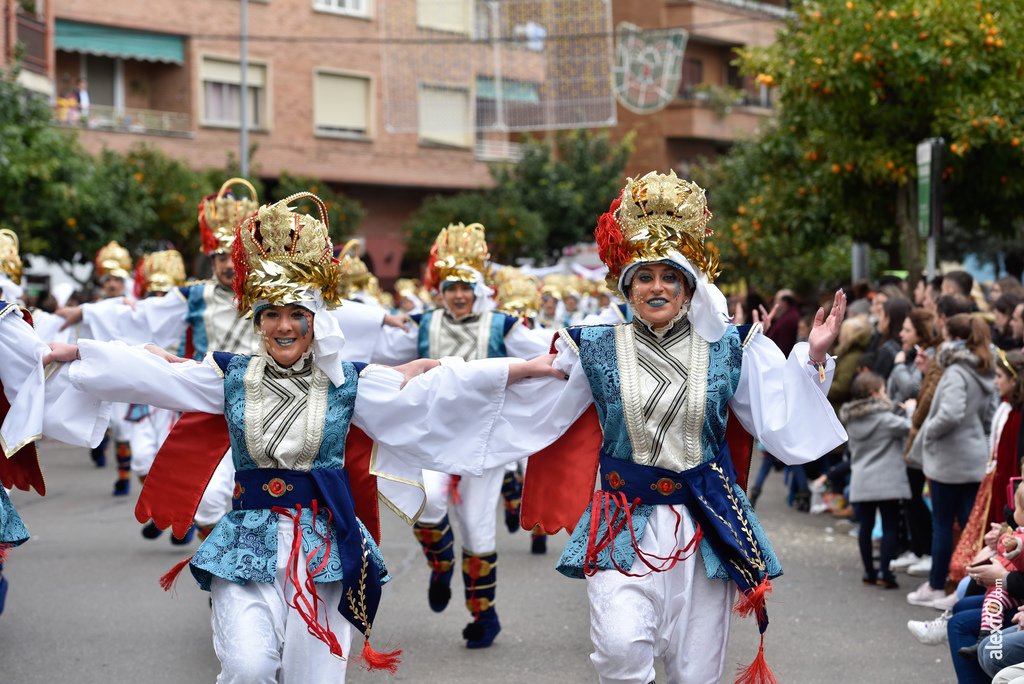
{"points": [[352, 270], [10, 260], [655, 216], [159, 272], [285, 257], [552, 285], [408, 286], [222, 213], [517, 292], [114, 260], [457, 252]]}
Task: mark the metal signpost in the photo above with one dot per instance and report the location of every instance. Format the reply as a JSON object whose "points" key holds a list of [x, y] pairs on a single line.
{"points": [[929, 195]]}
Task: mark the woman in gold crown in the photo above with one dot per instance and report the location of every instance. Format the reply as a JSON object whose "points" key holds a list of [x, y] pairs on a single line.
{"points": [[294, 564], [670, 535]]}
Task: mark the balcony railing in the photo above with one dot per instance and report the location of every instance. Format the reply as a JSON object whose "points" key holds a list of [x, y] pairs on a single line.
{"points": [[724, 98], [32, 34], [498, 150], [123, 119]]}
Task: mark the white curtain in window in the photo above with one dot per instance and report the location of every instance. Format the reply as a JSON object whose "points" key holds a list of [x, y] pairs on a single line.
{"points": [[341, 102], [444, 116]]}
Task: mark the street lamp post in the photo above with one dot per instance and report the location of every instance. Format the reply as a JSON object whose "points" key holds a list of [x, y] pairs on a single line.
{"points": [[243, 158]]}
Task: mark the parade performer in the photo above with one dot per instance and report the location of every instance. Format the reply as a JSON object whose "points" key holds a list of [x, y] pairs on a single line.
{"points": [[518, 294], [670, 534], [466, 327], [26, 413], [113, 266], [156, 274], [292, 563], [552, 311]]}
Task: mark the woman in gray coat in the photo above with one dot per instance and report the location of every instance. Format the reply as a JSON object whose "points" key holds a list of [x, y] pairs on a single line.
{"points": [[878, 474], [953, 441]]}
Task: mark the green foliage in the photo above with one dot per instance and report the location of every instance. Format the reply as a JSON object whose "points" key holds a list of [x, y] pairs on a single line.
{"points": [[344, 214], [568, 191], [858, 84], [512, 230]]}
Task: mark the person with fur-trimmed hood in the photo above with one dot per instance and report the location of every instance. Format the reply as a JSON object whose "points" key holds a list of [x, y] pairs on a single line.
{"points": [[952, 444], [878, 476]]}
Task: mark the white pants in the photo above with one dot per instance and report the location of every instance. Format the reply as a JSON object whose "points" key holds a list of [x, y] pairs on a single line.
{"points": [[679, 615], [120, 429], [216, 501], [147, 436], [476, 510], [259, 639]]}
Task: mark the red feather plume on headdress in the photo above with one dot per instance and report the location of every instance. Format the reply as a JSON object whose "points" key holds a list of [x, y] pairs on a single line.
{"points": [[611, 244], [140, 280], [209, 241], [432, 278]]}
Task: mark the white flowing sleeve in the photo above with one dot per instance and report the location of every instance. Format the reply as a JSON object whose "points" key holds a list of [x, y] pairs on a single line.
{"points": [[783, 404], [441, 420], [524, 343], [361, 325], [35, 394], [160, 320], [113, 371], [537, 411], [396, 346]]}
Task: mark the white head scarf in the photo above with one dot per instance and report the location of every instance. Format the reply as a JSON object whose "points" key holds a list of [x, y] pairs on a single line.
{"points": [[10, 292], [709, 311], [328, 340]]}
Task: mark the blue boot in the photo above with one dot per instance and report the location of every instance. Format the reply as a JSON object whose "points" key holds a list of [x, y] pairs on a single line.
{"points": [[480, 576], [438, 544]]}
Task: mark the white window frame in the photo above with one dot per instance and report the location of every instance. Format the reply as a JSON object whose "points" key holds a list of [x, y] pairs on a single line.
{"points": [[371, 113], [346, 8], [470, 140], [263, 99]]}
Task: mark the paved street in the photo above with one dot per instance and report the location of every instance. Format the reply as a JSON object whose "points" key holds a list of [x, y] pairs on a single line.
{"points": [[85, 607]]}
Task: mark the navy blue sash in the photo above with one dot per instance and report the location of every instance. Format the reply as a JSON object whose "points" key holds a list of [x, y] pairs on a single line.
{"points": [[269, 488], [708, 493]]}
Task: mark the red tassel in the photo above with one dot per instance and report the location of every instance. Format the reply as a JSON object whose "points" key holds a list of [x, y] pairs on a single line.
{"points": [[753, 602], [613, 247], [453, 489], [168, 580], [5, 552], [241, 261], [206, 236], [372, 661], [757, 672]]}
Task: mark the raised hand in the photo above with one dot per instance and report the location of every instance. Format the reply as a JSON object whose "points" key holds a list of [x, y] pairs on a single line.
{"points": [[825, 330]]}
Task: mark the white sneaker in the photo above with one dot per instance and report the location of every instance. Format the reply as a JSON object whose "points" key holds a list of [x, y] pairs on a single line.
{"points": [[924, 595], [906, 559], [921, 568], [946, 603], [932, 632]]}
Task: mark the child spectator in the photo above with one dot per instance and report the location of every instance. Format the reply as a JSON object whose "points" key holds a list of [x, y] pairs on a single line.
{"points": [[997, 599], [878, 478]]}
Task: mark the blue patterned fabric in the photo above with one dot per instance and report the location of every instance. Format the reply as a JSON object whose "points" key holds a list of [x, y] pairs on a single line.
{"points": [[12, 530], [243, 546], [423, 338], [196, 308], [600, 364]]}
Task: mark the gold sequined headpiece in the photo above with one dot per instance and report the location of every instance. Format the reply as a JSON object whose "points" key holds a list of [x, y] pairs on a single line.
{"points": [[113, 260], [408, 286], [10, 260], [352, 270], [552, 285], [459, 254], [517, 293], [655, 216], [222, 213], [285, 257], [159, 272]]}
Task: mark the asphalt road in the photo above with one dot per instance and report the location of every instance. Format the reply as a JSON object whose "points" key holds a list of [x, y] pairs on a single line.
{"points": [[85, 607]]}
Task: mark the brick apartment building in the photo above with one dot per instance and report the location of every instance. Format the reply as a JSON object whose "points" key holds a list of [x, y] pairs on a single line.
{"points": [[168, 74]]}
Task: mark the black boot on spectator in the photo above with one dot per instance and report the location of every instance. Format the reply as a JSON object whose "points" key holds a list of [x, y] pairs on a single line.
{"points": [[971, 652], [755, 492]]}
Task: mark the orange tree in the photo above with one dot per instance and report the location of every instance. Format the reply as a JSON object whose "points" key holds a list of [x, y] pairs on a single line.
{"points": [[858, 84]]}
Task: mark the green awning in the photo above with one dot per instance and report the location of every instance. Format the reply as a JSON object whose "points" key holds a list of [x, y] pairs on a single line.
{"points": [[110, 41], [511, 91]]}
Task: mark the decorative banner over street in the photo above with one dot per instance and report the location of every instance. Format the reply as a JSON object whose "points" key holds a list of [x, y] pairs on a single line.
{"points": [[648, 66]]}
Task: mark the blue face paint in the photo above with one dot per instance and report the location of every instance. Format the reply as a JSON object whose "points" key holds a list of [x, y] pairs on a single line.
{"points": [[675, 289], [304, 325]]}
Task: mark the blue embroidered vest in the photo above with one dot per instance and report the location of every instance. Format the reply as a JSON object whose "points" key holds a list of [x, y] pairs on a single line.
{"points": [[496, 326], [243, 546], [599, 349]]}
